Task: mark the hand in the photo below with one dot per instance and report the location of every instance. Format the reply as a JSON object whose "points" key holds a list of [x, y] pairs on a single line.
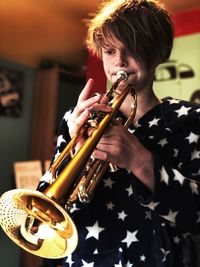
{"points": [[121, 148], [82, 109]]}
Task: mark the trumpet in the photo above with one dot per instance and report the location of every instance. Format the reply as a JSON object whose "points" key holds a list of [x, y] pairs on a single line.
{"points": [[37, 221]]}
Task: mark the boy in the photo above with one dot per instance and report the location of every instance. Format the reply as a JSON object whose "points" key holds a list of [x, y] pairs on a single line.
{"points": [[140, 213]]}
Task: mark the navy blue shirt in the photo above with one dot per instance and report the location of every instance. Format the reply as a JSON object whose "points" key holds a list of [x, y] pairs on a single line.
{"points": [[125, 224]]}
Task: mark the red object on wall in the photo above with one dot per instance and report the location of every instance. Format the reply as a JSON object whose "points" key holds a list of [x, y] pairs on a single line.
{"points": [[96, 72], [187, 22]]}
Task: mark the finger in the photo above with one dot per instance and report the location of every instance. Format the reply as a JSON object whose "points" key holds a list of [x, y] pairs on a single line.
{"points": [[98, 154], [81, 106], [85, 94], [101, 107], [78, 123], [104, 99]]}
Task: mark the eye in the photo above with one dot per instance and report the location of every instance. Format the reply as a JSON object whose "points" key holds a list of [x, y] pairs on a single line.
{"points": [[109, 51]]}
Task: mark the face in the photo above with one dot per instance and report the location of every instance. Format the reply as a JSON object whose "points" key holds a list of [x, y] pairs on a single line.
{"points": [[116, 57]]}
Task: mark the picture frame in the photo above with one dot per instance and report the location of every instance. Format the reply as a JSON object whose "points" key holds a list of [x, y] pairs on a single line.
{"points": [[11, 92]]}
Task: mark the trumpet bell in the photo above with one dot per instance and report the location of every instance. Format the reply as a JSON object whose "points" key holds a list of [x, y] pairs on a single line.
{"points": [[37, 224]]}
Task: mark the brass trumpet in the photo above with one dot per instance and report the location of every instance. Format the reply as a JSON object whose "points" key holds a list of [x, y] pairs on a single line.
{"points": [[36, 221]]}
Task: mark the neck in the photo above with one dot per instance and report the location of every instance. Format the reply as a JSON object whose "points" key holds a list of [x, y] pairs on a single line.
{"points": [[146, 100]]}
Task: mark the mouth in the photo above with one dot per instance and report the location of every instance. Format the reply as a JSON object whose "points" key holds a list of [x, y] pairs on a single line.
{"points": [[114, 74]]}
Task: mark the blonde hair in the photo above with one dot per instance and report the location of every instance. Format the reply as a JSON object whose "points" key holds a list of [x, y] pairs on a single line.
{"points": [[143, 26]]}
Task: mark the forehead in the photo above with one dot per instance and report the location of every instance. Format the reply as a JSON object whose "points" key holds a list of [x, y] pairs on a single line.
{"points": [[111, 41]]}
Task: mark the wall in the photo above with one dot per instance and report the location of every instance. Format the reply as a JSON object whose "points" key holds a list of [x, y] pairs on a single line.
{"points": [[14, 146], [180, 76]]}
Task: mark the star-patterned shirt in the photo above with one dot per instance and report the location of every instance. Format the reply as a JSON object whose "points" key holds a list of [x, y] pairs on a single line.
{"points": [[125, 224]]}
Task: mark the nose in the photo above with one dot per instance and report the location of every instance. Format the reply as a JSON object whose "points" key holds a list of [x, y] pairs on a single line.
{"points": [[121, 59]]}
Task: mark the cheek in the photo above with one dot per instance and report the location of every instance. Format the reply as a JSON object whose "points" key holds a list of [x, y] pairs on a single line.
{"points": [[106, 68]]}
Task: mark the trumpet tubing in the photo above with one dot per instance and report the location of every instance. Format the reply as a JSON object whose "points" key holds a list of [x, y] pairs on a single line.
{"points": [[39, 224]]}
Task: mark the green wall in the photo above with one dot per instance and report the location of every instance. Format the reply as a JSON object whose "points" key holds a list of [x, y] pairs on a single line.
{"points": [[14, 146]]}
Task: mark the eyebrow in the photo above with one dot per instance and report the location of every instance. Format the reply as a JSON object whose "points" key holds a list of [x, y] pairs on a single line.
{"points": [[106, 46]]}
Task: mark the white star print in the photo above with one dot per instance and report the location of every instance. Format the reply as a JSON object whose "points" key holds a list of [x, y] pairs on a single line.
{"points": [[152, 205], [130, 238], [122, 215], [119, 264], [47, 177], [130, 190], [171, 216], [128, 171], [182, 111], [176, 152], [153, 122], [195, 154], [177, 240], [96, 251], [180, 165], [194, 188], [129, 264], [86, 264], [94, 231], [69, 260], [60, 140], [110, 206], [192, 138], [178, 176], [163, 142], [164, 175], [131, 130], [174, 101], [67, 115], [142, 258], [168, 129], [136, 124], [165, 252], [148, 215], [73, 208], [108, 182]]}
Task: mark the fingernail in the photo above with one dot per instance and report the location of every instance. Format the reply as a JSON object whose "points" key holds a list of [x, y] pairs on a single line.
{"points": [[96, 96]]}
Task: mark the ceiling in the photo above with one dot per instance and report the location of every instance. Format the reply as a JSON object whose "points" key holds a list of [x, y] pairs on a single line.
{"points": [[33, 30]]}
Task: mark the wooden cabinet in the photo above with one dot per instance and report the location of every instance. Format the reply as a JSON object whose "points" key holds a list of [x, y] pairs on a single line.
{"points": [[55, 88]]}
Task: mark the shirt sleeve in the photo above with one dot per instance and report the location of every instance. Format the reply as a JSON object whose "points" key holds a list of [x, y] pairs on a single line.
{"points": [[175, 197]]}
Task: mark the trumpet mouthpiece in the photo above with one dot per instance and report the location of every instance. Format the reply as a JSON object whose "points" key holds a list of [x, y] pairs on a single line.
{"points": [[122, 75]]}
